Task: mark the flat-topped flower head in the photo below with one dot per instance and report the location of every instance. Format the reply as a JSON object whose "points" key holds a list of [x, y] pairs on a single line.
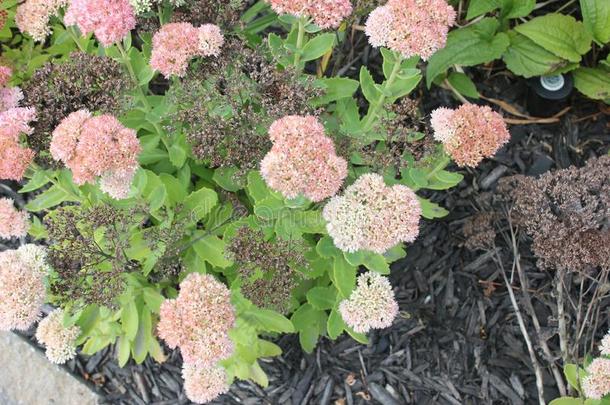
{"points": [[204, 384], [109, 20], [13, 223], [411, 27], [100, 146], [371, 305], [604, 346], [470, 133], [325, 13], [33, 16], [22, 290], [5, 75], [372, 216], [303, 160], [597, 383], [175, 44], [210, 40], [14, 157], [10, 98], [198, 320], [59, 341]]}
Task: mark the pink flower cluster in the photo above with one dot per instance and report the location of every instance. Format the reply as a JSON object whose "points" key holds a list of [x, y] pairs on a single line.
{"points": [[372, 304], [303, 159], [411, 27], [13, 223], [469, 133], [372, 216], [325, 13], [175, 44], [15, 158], [33, 17], [9, 96], [22, 289], [604, 346], [199, 320], [5, 75], [97, 146], [60, 341], [203, 384], [109, 20], [597, 382]]}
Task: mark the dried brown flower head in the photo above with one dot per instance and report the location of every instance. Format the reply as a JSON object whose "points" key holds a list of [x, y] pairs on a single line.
{"points": [[84, 270], [59, 88], [266, 267], [479, 231], [226, 105], [567, 213]]}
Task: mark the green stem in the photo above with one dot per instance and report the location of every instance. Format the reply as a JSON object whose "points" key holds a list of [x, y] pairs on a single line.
{"points": [[300, 39], [75, 38], [127, 62], [442, 163], [374, 108]]}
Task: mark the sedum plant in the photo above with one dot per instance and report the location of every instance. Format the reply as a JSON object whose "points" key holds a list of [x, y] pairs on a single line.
{"points": [[591, 381], [220, 195]]}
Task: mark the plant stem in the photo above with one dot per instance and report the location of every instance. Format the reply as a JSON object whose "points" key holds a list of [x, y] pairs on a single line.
{"points": [[300, 39], [442, 163], [127, 62], [374, 109], [75, 38]]}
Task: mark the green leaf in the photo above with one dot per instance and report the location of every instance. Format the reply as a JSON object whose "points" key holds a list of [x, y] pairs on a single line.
{"points": [[177, 155], [593, 82], [443, 180], [326, 248], [153, 299], [257, 188], [129, 320], [199, 204], [517, 8], [50, 198], [335, 325], [463, 84], [573, 375], [269, 349], [567, 401], [468, 46], [559, 34], [336, 88], [258, 375], [430, 210], [369, 87], [37, 230], [596, 17], [525, 58], [124, 346], [211, 249], [176, 192], [343, 276], [270, 321], [225, 178], [143, 335], [38, 180], [318, 46], [321, 298], [156, 199], [480, 7]]}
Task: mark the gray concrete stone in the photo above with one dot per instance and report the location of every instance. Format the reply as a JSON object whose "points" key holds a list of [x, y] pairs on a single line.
{"points": [[28, 378]]}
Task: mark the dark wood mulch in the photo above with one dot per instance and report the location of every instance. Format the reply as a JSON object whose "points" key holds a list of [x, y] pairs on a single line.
{"points": [[457, 340]]}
